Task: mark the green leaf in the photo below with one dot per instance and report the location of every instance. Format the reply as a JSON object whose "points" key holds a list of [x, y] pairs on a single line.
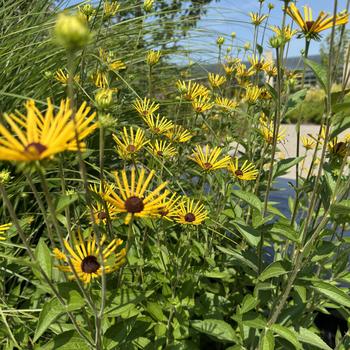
{"points": [[249, 198], [284, 165], [49, 313], [288, 334], [275, 269], [307, 336], [218, 329], [53, 309], [248, 303], [342, 125], [251, 235], [72, 294], [295, 100], [66, 341], [320, 72], [267, 341], [156, 311], [238, 256], [332, 292], [65, 200], [284, 229], [43, 256]]}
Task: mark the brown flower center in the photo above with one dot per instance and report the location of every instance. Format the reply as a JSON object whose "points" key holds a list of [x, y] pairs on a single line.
{"points": [[37, 147], [309, 24], [131, 148], [134, 204], [102, 215], [190, 217], [156, 130], [207, 166], [163, 212], [238, 172], [90, 264], [160, 153]]}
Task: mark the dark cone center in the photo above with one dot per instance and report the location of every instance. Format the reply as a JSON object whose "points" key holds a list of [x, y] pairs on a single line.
{"points": [[131, 148], [102, 215], [309, 24], [190, 217], [90, 264], [156, 130], [207, 166], [134, 205], [238, 172], [37, 146], [160, 153]]}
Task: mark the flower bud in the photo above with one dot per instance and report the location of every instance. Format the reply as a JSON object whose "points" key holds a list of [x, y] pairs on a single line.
{"points": [[148, 5], [220, 40], [71, 31], [104, 98], [5, 176], [106, 120], [153, 57], [233, 35]]}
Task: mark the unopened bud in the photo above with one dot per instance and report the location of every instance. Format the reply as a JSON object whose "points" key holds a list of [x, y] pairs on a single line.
{"points": [[71, 31]]}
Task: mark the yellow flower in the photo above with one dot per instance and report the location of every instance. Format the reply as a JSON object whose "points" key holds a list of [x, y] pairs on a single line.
{"points": [[245, 172], [129, 145], [271, 70], [226, 103], [243, 72], [337, 148], [178, 134], [153, 57], [229, 68], [100, 79], [286, 33], [202, 104], [257, 19], [191, 90], [110, 8], [170, 205], [267, 133], [190, 212], [131, 198], [111, 63], [265, 94], [162, 149], [99, 209], [308, 142], [3, 229], [258, 65], [145, 107], [216, 80], [37, 136], [208, 159], [158, 125], [252, 94], [63, 77], [87, 10], [85, 257], [310, 28]]}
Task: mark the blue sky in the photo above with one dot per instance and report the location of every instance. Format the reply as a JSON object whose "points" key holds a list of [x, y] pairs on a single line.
{"points": [[228, 16]]}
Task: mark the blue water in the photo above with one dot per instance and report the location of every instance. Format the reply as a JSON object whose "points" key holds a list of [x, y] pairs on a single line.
{"points": [[281, 191]]}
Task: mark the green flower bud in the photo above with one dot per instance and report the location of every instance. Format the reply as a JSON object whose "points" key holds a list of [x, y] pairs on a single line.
{"points": [[71, 31]]}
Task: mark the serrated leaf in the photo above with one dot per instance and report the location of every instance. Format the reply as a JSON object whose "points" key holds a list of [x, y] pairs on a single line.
{"points": [[251, 235], [218, 329], [332, 292], [307, 336], [320, 72], [43, 256], [288, 334], [66, 341], [249, 198]]}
